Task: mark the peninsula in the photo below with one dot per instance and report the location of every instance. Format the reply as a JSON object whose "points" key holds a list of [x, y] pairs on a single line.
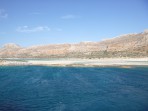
{"points": [[128, 49]]}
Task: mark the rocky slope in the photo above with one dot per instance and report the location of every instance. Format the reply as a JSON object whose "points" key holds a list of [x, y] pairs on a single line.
{"points": [[130, 45]]}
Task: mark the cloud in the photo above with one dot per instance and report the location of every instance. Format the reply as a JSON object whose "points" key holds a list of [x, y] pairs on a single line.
{"points": [[28, 29], [3, 14], [58, 29], [35, 13], [70, 17]]}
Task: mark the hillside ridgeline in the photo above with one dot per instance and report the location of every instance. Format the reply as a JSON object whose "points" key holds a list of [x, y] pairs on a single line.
{"points": [[130, 45]]}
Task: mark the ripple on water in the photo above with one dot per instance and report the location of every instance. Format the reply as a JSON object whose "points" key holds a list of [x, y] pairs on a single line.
{"points": [[42, 88]]}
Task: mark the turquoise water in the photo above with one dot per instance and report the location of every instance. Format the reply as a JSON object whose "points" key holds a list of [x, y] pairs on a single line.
{"points": [[42, 88]]}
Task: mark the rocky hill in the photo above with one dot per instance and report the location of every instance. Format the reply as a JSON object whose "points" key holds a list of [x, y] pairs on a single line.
{"points": [[130, 45]]}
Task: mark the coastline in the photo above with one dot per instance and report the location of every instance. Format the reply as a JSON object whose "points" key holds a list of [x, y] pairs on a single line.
{"points": [[74, 62]]}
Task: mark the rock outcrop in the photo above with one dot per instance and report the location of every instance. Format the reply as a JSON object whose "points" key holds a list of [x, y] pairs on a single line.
{"points": [[130, 45]]}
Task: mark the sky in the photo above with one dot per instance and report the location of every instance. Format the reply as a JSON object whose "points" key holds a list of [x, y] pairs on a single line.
{"points": [[38, 22]]}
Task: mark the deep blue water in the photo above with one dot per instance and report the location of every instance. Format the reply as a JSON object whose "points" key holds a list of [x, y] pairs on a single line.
{"points": [[42, 88]]}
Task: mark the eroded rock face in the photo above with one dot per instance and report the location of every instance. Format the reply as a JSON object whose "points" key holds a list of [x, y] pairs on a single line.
{"points": [[130, 45]]}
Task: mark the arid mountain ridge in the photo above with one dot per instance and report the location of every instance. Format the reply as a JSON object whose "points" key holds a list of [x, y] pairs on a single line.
{"points": [[129, 45]]}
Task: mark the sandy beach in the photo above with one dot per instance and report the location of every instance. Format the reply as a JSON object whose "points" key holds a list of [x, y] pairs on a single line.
{"points": [[77, 62]]}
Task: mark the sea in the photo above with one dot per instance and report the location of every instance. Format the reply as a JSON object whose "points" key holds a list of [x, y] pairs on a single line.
{"points": [[46, 88]]}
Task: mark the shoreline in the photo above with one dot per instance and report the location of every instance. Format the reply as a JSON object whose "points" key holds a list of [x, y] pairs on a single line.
{"points": [[73, 62]]}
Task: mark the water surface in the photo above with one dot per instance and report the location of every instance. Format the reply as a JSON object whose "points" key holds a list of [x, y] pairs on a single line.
{"points": [[42, 88]]}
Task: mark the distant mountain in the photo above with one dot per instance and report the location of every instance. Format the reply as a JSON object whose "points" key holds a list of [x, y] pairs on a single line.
{"points": [[11, 46], [129, 45]]}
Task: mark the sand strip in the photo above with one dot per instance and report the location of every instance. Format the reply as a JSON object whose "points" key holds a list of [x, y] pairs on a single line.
{"points": [[78, 62]]}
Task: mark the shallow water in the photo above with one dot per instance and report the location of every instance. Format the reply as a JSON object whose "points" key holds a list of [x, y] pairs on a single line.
{"points": [[42, 88]]}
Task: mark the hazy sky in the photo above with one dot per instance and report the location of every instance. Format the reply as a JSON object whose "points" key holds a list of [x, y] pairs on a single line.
{"points": [[35, 22]]}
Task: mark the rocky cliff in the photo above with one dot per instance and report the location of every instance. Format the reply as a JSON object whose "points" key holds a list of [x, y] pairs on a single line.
{"points": [[130, 45]]}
